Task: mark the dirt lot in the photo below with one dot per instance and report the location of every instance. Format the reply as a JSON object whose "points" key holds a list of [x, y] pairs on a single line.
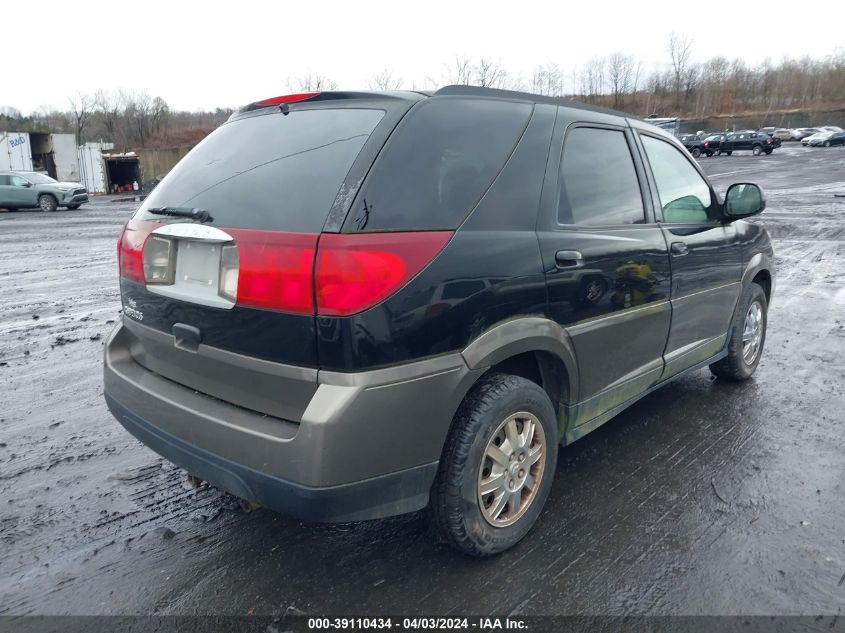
{"points": [[705, 497]]}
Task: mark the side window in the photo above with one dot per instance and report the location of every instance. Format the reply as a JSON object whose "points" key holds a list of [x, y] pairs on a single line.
{"points": [[17, 181], [684, 194], [598, 182], [5, 180], [438, 164]]}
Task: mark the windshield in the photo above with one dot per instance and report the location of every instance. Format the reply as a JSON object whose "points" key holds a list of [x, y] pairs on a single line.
{"points": [[38, 179], [272, 171]]}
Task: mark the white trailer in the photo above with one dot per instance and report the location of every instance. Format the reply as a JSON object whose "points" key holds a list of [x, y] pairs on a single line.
{"points": [[65, 157], [15, 151], [92, 167]]}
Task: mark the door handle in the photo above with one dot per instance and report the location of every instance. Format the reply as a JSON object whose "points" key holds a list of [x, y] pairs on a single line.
{"points": [[569, 259], [679, 249]]}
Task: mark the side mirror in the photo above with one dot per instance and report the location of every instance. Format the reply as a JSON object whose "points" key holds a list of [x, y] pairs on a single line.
{"points": [[744, 199], [26, 184]]}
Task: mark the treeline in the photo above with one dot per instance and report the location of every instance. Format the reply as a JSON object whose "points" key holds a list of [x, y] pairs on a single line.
{"points": [[130, 120], [694, 90]]}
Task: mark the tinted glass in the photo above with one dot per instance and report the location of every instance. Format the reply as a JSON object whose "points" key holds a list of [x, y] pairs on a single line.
{"points": [[684, 194], [438, 163], [272, 171], [5, 180], [17, 181], [599, 184]]}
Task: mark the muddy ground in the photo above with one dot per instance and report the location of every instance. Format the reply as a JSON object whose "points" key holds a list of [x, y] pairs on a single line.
{"points": [[704, 498]]}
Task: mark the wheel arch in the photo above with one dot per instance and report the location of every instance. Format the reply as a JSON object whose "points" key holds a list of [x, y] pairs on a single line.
{"points": [[535, 348]]}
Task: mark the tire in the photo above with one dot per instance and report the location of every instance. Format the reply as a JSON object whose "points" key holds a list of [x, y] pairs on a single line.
{"points": [[769, 152], [827, 143], [709, 154], [718, 152], [739, 364], [73, 207], [729, 153], [466, 518], [695, 152], [47, 203], [756, 150]]}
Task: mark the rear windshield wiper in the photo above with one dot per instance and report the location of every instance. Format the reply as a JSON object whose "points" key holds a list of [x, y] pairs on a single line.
{"points": [[183, 212]]}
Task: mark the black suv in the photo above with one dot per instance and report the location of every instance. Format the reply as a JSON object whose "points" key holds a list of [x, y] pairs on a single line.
{"points": [[346, 306], [748, 140], [693, 144]]}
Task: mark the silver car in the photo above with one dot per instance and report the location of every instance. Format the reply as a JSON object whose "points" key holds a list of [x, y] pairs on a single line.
{"points": [[30, 190]]}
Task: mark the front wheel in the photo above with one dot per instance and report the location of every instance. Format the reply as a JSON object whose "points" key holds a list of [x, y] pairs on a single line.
{"points": [[497, 466], [769, 152], [47, 203], [746, 337]]}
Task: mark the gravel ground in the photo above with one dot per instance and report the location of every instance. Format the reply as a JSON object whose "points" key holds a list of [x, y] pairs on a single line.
{"points": [[703, 498]]}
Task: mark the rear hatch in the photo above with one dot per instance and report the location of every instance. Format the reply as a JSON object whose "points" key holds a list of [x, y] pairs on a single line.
{"points": [[217, 264]]}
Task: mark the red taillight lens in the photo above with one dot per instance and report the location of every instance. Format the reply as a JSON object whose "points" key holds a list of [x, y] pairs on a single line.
{"points": [[275, 269], [302, 96], [356, 271], [706, 144], [130, 249]]}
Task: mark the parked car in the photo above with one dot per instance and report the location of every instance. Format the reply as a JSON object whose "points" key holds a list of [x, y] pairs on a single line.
{"points": [[818, 138], [713, 144], [782, 134], [833, 138], [748, 140], [30, 190], [279, 365], [803, 132], [832, 128], [693, 143], [768, 131]]}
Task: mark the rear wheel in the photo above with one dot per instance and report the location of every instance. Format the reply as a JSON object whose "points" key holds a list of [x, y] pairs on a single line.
{"points": [[827, 143], [47, 202], [756, 150], [747, 336], [696, 152], [497, 466]]}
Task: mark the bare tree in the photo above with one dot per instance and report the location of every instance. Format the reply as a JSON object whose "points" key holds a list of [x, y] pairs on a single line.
{"points": [[81, 109], [489, 74], [461, 72], [591, 79], [620, 74], [311, 82], [547, 80], [109, 105], [680, 48], [385, 80]]}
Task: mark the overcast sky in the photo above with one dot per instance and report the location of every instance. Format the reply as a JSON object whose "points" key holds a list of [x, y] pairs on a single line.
{"points": [[200, 55]]}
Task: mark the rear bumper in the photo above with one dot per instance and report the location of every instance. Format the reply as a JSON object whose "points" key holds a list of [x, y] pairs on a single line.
{"points": [[367, 445]]}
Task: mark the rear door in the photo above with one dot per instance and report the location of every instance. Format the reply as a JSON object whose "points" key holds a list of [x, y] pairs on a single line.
{"points": [[607, 267], [19, 192], [223, 303], [705, 255]]}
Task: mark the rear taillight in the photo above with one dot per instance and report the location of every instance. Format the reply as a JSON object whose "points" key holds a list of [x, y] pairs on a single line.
{"points": [[706, 144], [327, 274], [356, 271], [273, 270], [130, 249]]}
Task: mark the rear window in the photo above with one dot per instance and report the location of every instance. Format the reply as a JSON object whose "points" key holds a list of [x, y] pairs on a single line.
{"points": [[438, 163], [273, 171]]}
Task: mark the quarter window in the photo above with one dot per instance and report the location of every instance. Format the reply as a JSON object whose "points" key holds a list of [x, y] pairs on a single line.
{"points": [[684, 194], [598, 183]]}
